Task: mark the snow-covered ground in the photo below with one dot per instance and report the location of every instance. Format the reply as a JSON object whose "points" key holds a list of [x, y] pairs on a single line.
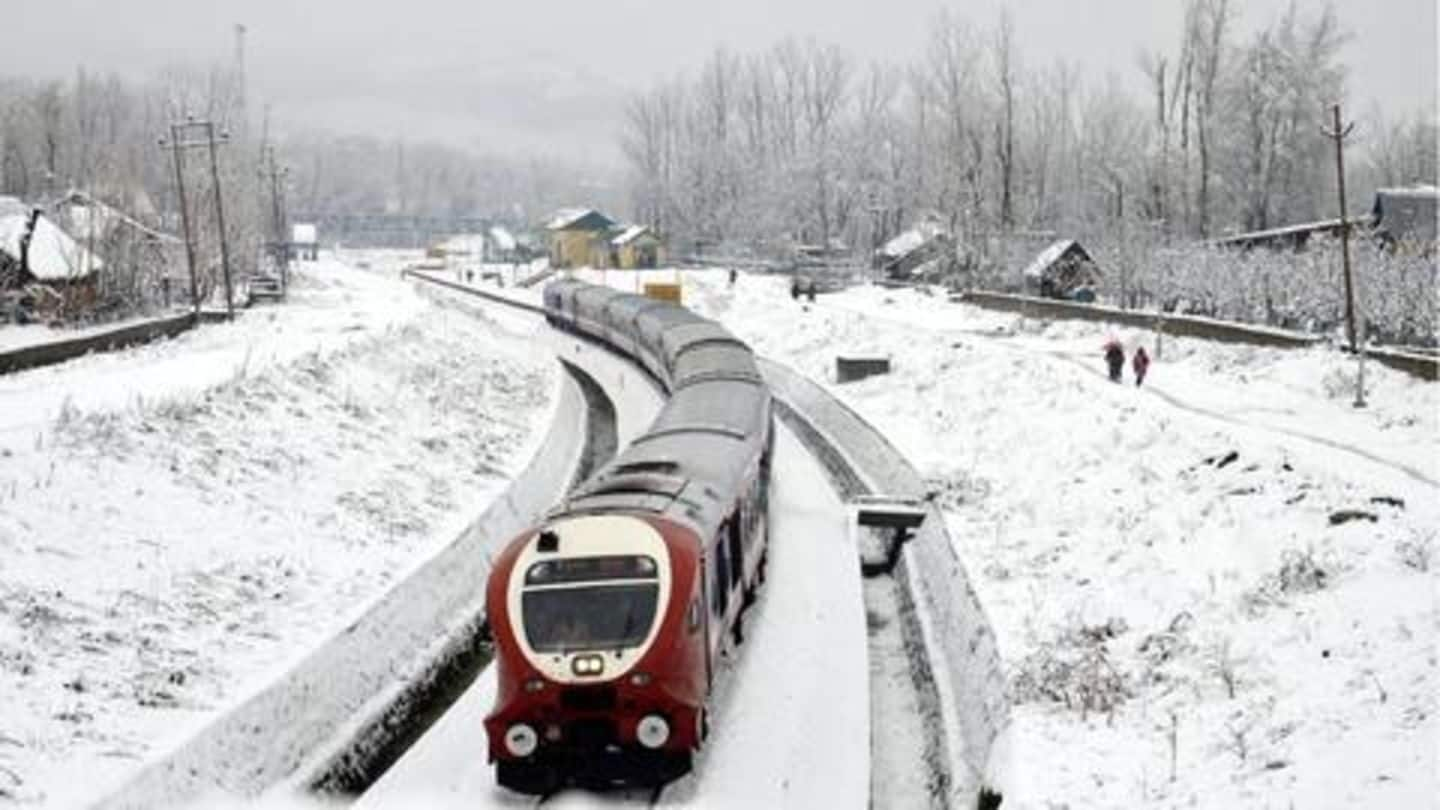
{"points": [[1220, 641], [181, 521]]}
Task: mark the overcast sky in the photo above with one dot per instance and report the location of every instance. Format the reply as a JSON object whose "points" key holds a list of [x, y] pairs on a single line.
{"points": [[551, 75]]}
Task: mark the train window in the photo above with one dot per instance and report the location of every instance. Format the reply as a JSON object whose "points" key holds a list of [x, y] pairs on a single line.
{"points": [[737, 562], [605, 617], [722, 587]]}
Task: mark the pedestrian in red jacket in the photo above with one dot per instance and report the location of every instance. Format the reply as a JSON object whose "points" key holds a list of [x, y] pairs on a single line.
{"points": [[1141, 364]]}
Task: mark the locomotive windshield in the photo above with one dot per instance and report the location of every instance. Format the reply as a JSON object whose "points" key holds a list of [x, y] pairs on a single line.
{"points": [[591, 617]]}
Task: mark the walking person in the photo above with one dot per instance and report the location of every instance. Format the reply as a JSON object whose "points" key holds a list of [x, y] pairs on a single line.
{"points": [[1141, 364], [1114, 358]]}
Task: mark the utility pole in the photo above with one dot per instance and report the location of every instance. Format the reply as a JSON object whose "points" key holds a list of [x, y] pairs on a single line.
{"points": [[193, 134], [173, 144], [1338, 133], [279, 244]]}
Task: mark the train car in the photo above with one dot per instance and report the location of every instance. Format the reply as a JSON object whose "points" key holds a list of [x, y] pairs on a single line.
{"points": [[610, 616]]}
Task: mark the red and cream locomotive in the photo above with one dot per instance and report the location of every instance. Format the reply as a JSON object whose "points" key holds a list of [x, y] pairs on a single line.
{"points": [[610, 617]]}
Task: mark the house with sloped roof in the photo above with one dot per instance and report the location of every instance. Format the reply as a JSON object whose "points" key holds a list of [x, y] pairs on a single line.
{"points": [[915, 251], [1062, 270], [1405, 218], [636, 247], [574, 233], [501, 245], [34, 251]]}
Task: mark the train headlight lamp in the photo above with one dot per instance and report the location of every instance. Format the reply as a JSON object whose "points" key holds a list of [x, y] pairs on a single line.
{"points": [[652, 731], [587, 665], [521, 740], [640, 679], [533, 685]]}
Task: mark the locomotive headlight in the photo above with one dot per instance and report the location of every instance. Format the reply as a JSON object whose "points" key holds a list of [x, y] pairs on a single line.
{"points": [[587, 665], [640, 679], [533, 685], [521, 740], [652, 731]]}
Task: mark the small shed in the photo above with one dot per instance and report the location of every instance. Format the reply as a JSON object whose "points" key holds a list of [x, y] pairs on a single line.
{"points": [[1061, 270], [464, 248], [573, 233], [139, 259], [53, 260], [915, 252], [501, 246], [636, 248], [304, 242], [1405, 218]]}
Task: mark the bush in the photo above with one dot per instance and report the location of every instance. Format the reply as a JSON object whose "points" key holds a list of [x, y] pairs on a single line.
{"points": [[1074, 669]]}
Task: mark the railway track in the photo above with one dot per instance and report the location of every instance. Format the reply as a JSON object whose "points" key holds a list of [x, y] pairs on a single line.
{"points": [[779, 740]]}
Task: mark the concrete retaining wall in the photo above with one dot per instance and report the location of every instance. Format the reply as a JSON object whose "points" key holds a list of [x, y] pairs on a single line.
{"points": [[1416, 365], [964, 659], [294, 727], [59, 351]]}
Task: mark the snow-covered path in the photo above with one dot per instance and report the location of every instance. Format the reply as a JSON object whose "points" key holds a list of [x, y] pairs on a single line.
{"points": [[791, 724], [1124, 555]]}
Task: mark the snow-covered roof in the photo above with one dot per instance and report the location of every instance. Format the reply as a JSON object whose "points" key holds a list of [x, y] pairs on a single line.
{"points": [[629, 235], [304, 233], [903, 244], [464, 244], [1048, 257], [83, 212], [1407, 213], [911, 240], [569, 217], [503, 239], [54, 256]]}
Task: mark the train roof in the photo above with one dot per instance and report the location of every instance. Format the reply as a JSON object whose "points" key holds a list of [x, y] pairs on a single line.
{"points": [[687, 465]]}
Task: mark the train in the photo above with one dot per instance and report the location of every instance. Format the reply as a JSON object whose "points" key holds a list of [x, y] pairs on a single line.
{"points": [[610, 617]]}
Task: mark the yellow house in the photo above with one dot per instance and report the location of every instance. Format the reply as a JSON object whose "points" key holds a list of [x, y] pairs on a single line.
{"points": [[573, 232], [637, 248]]}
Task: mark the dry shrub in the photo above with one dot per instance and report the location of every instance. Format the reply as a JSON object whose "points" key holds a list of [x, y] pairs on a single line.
{"points": [[1300, 572], [1074, 669], [1417, 551]]}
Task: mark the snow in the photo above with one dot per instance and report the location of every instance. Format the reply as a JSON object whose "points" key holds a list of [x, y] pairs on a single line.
{"points": [[181, 521], [503, 239], [1047, 257], [54, 256], [465, 244], [791, 714], [565, 217], [304, 233], [628, 235], [1103, 529], [17, 336]]}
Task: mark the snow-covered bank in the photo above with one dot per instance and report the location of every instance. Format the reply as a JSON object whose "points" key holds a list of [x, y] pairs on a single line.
{"points": [[1136, 572], [179, 522]]}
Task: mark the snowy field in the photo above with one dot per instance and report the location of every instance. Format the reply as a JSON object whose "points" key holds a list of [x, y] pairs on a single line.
{"points": [[1184, 621], [180, 521]]}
